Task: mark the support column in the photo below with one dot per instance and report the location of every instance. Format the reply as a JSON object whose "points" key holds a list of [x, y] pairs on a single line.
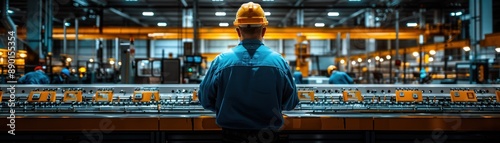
{"points": [[48, 27], [187, 22], [396, 79], [280, 47], [347, 52], [300, 17], [33, 28], [196, 36], [389, 46], [370, 43], [421, 41], [480, 24]]}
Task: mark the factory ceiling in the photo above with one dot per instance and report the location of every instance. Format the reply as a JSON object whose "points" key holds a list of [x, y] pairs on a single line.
{"points": [[211, 13]]}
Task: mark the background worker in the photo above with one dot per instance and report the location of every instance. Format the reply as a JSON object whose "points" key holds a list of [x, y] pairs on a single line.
{"points": [[249, 85], [35, 77], [297, 76], [338, 77], [62, 77]]}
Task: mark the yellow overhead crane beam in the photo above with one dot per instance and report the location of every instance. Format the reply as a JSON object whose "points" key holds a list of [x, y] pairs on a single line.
{"points": [[425, 48], [230, 33], [491, 40]]}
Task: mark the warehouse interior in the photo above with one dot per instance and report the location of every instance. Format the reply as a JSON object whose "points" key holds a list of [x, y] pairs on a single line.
{"points": [[163, 49]]}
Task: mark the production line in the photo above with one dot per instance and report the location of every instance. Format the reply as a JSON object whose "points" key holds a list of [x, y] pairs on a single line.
{"points": [[322, 107]]}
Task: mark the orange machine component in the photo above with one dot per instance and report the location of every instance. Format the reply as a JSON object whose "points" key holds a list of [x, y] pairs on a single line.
{"points": [[42, 96], [103, 96], [498, 95], [352, 95], [73, 95], [195, 95], [306, 95], [463, 96], [1, 93], [411, 95], [146, 95]]}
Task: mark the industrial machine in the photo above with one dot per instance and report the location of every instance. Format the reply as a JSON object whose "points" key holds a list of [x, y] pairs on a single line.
{"points": [[302, 51], [350, 113]]}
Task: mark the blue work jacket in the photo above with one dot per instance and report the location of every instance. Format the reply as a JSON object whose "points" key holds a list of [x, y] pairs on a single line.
{"points": [[248, 86]]}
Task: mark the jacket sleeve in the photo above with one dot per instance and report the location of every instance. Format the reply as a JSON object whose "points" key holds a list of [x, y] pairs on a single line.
{"points": [[290, 97], [208, 88], [22, 79], [349, 79]]}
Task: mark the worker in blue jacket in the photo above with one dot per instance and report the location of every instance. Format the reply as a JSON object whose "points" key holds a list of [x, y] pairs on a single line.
{"points": [[62, 78], [249, 85], [35, 77], [338, 77]]}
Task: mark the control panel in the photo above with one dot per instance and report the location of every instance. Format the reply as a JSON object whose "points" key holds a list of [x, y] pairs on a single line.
{"points": [[463, 95], [72, 95], [103, 95], [45, 95], [146, 95], [408, 95]]}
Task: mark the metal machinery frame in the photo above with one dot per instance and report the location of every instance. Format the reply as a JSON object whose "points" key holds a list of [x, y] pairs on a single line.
{"points": [[302, 51], [348, 113]]}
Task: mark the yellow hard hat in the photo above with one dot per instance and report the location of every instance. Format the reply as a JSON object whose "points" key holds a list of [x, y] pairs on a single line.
{"points": [[250, 14], [331, 68], [297, 68]]}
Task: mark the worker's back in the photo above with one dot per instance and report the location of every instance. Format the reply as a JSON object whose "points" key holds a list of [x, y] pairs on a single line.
{"points": [[340, 78], [249, 92], [35, 77]]}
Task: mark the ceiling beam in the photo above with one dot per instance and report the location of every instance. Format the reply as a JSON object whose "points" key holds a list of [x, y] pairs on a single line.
{"points": [[299, 2], [114, 10], [184, 3], [341, 21]]}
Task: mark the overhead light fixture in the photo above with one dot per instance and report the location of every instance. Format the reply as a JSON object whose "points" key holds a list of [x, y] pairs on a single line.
{"points": [[10, 11], [69, 59], [162, 24], [131, 0], [381, 59], [111, 62], [223, 24], [388, 57], [267, 13], [377, 58], [67, 24], [342, 61], [22, 55], [411, 24], [415, 54], [217, 0], [431, 59], [353, 62], [369, 60], [148, 13], [91, 60], [360, 60], [119, 63], [319, 24], [333, 13], [458, 13], [267, 0], [496, 49], [220, 13], [354, 0], [432, 52], [466, 48], [452, 14]]}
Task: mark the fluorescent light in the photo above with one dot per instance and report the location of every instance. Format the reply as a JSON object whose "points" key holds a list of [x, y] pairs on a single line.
{"points": [[411, 24], [431, 59], [10, 11], [353, 62], [415, 54], [497, 49], [466, 48], [130, 0], [452, 14], [458, 13], [267, 13], [381, 59], [148, 13], [223, 24], [267, 0], [354, 0], [377, 58], [369, 60], [217, 0], [360, 60], [67, 24], [333, 13], [319, 24], [388, 57], [162, 24], [220, 13], [342, 61]]}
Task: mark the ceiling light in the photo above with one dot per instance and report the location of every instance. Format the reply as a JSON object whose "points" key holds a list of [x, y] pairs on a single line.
{"points": [[466, 48], [130, 0], [333, 13], [353, 62], [354, 0], [377, 58], [267, 0], [432, 52], [411, 24], [458, 13], [381, 59], [496, 49], [217, 0], [69, 59], [148, 13], [10, 11], [220, 13], [415, 54], [67, 24], [431, 59], [162, 24], [388, 57], [369, 60], [319, 24], [267, 13], [342, 61], [223, 24], [91, 60], [452, 14], [360, 60]]}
